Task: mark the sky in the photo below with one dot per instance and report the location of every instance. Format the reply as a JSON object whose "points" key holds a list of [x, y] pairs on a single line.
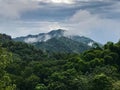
{"points": [[97, 19]]}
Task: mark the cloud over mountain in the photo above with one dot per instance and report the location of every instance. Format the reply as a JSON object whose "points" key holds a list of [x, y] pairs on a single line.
{"points": [[93, 18]]}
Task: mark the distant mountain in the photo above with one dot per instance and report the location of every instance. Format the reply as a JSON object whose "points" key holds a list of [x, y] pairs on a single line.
{"points": [[58, 41], [4, 37], [42, 37], [62, 44]]}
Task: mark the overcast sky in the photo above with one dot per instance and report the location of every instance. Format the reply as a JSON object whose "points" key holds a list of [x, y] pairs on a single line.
{"points": [[97, 19]]}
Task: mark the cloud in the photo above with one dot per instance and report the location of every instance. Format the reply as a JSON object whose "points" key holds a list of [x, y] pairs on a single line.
{"points": [[82, 23], [101, 29], [57, 1], [14, 8], [82, 15], [63, 1], [23, 28], [97, 19]]}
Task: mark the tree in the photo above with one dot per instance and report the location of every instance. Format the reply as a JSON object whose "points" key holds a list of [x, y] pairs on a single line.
{"points": [[116, 85], [5, 80], [108, 60], [57, 86], [32, 81], [101, 82], [41, 87]]}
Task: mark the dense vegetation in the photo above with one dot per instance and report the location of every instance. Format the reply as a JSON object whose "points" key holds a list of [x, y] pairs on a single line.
{"points": [[23, 67], [62, 45]]}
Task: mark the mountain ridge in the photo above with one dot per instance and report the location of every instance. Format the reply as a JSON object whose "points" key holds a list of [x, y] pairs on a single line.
{"points": [[54, 33], [58, 41], [41, 36]]}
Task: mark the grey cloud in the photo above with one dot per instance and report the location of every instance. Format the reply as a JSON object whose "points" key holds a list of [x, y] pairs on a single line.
{"points": [[105, 9], [14, 8], [44, 9]]}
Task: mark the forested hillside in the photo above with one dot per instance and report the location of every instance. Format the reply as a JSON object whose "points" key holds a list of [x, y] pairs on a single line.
{"points": [[59, 41], [62, 45], [24, 67]]}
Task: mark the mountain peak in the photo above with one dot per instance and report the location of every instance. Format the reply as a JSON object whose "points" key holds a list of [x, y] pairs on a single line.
{"points": [[5, 37], [57, 33], [44, 37], [58, 30]]}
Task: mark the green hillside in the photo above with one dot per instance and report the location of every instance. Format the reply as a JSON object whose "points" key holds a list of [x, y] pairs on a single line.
{"points": [[24, 67], [61, 45]]}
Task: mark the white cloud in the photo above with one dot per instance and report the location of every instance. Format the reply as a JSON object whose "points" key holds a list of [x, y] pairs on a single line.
{"points": [[14, 8], [31, 40], [81, 16], [100, 29], [55, 26], [57, 1], [63, 1]]}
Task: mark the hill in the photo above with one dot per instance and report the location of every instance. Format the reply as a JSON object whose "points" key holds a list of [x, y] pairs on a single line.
{"points": [[58, 41]]}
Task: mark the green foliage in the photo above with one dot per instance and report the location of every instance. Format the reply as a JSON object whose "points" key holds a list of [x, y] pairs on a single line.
{"points": [[24, 67], [116, 85], [41, 87], [101, 82], [5, 80], [62, 45], [32, 81]]}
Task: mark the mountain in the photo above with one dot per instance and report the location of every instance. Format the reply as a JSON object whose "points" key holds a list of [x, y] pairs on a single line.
{"points": [[42, 37], [58, 41], [62, 44], [4, 37]]}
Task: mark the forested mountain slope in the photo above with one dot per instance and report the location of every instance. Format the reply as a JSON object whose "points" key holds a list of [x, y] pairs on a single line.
{"points": [[59, 41], [23, 67]]}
